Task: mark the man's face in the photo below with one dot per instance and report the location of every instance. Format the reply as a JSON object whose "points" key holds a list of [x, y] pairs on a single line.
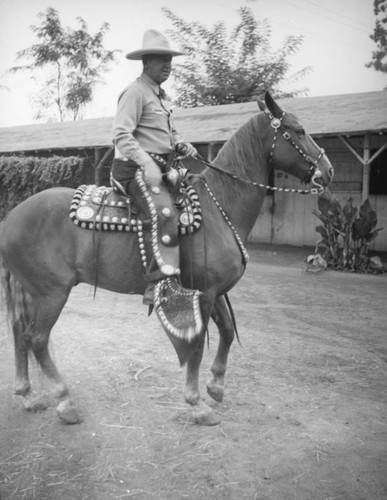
{"points": [[158, 67]]}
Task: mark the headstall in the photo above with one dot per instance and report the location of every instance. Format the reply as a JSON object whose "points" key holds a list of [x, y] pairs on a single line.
{"points": [[276, 124]]}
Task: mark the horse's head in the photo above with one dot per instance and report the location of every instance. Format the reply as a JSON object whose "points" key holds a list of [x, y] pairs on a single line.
{"points": [[291, 148]]}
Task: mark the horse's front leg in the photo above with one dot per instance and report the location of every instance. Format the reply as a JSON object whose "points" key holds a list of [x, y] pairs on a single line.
{"points": [[202, 413], [221, 316]]}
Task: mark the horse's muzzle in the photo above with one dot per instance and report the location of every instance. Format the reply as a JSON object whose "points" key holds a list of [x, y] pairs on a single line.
{"points": [[317, 180]]}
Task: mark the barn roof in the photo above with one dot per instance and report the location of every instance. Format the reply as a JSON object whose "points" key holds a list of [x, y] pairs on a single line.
{"points": [[347, 114]]}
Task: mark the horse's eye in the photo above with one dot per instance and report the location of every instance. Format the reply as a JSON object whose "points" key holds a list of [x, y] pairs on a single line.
{"points": [[300, 132]]}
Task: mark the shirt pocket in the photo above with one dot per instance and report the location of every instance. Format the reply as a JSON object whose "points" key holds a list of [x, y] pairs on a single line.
{"points": [[155, 116]]}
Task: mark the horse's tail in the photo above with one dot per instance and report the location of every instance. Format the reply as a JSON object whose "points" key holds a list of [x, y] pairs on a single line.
{"points": [[17, 301]]}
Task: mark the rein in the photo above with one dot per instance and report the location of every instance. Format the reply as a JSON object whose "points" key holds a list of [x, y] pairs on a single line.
{"points": [[314, 173], [238, 239], [253, 183], [276, 124]]}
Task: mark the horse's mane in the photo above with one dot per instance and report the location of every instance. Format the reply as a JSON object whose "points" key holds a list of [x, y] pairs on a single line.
{"points": [[243, 156], [243, 145]]}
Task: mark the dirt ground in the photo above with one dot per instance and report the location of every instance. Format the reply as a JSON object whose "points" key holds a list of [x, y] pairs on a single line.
{"points": [[304, 413]]}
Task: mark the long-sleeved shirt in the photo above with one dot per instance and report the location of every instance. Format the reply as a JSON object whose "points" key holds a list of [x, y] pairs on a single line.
{"points": [[143, 122]]}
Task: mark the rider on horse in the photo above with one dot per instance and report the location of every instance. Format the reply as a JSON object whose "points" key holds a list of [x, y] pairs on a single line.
{"points": [[146, 143]]}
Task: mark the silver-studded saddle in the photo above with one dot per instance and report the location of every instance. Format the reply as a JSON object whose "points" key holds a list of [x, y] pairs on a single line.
{"points": [[103, 209]]}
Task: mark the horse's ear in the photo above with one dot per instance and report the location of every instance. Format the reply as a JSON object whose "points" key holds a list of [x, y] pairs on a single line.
{"points": [[261, 104], [273, 107]]}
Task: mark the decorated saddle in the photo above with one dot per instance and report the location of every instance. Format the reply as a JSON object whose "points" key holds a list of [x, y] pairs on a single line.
{"points": [[103, 209]]}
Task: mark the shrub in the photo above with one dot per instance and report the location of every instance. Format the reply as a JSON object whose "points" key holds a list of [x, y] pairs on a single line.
{"points": [[23, 176], [346, 233]]}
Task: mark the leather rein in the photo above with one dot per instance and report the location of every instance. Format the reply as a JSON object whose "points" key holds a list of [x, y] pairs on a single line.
{"points": [[313, 173]]}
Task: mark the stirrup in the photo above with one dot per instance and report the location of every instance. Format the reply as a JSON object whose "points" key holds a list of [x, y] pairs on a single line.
{"points": [[148, 299], [178, 309]]}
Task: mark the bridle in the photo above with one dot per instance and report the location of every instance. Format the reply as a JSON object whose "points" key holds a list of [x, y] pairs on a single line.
{"points": [[314, 172], [276, 123]]}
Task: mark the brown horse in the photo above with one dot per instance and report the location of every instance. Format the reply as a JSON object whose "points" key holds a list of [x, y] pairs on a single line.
{"points": [[44, 254]]}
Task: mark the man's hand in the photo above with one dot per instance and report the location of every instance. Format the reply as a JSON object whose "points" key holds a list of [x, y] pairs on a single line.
{"points": [[185, 149], [152, 173]]}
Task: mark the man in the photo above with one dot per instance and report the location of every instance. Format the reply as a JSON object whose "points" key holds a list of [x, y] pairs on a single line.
{"points": [[145, 137]]}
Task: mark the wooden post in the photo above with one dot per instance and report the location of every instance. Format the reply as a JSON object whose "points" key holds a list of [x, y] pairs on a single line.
{"points": [[366, 161], [366, 168], [210, 152], [102, 171], [97, 159]]}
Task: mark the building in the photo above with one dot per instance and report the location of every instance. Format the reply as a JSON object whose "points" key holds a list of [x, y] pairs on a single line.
{"points": [[352, 128]]}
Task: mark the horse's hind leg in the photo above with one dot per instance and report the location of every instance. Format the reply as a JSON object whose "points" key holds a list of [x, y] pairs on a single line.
{"points": [[39, 318], [46, 313], [17, 303], [22, 345], [221, 316], [47, 310]]}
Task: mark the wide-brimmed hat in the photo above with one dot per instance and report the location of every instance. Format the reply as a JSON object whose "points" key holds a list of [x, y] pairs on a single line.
{"points": [[154, 42]]}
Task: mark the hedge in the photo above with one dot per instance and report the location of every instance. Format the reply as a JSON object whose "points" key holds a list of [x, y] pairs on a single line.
{"points": [[23, 176]]}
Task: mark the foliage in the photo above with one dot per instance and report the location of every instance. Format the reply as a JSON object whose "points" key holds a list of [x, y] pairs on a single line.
{"points": [[379, 36], [224, 69], [345, 233], [21, 177], [73, 61]]}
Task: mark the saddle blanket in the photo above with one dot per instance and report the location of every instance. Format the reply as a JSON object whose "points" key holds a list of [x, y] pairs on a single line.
{"points": [[102, 209]]}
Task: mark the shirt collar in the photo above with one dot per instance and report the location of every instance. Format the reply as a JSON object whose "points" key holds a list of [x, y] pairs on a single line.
{"points": [[148, 81]]}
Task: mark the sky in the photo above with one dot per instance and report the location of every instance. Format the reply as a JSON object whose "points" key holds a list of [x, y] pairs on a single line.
{"points": [[336, 42]]}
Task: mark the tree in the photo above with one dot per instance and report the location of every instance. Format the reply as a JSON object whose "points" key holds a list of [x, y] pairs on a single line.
{"points": [[71, 62], [379, 36], [224, 69]]}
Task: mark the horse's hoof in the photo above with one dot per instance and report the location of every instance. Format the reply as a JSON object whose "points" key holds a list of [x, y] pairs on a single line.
{"points": [[60, 392], [35, 404], [215, 392], [67, 412], [22, 388], [207, 418]]}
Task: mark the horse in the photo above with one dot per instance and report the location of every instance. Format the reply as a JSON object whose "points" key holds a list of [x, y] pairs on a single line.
{"points": [[44, 255]]}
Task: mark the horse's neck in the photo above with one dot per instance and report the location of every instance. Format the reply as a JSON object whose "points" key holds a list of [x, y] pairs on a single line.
{"points": [[244, 157], [243, 153]]}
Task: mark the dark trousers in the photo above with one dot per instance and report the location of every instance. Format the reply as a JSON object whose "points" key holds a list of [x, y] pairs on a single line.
{"points": [[124, 171]]}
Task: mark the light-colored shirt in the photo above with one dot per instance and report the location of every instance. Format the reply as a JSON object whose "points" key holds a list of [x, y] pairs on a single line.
{"points": [[143, 122]]}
